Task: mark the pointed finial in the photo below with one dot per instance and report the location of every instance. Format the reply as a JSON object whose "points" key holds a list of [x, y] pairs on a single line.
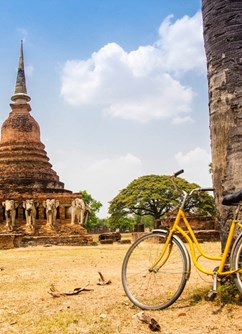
{"points": [[20, 94]]}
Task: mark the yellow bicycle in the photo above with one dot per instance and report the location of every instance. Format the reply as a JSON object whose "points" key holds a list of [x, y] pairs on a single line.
{"points": [[157, 266]]}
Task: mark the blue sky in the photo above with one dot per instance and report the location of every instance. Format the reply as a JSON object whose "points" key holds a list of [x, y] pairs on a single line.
{"points": [[118, 88]]}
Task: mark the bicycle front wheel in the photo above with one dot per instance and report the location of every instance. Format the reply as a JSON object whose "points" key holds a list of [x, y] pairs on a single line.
{"points": [[236, 264], [159, 288]]}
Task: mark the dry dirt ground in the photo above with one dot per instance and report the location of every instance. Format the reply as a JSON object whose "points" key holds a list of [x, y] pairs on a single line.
{"points": [[27, 274]]}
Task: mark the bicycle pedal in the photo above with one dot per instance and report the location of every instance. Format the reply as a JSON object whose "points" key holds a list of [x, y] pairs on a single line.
{"points": [[212, 294]]}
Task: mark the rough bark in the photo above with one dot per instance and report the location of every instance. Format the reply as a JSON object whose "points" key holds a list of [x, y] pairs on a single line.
{"points": [[222, 24]]}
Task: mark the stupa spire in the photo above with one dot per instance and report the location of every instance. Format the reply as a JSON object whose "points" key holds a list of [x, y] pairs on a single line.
{"points": [[24, 164], [20, 95]]}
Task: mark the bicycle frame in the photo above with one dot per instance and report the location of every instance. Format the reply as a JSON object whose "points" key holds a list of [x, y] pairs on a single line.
{"points": [[194, 244]]}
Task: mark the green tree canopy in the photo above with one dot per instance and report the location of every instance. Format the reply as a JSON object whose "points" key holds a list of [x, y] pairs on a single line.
{"points": [[94, 206], [154, 195]]}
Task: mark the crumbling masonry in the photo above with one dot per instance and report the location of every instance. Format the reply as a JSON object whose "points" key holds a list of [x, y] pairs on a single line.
{"points": [[26, 173]]}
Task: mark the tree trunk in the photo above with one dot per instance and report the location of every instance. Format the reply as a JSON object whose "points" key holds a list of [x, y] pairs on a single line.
{"points": [[222, 24]]}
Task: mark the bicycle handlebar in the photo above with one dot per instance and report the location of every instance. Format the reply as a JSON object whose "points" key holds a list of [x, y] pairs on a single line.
{"points": [[203, 189], [185, 194], [178, 173], [196, 189]]}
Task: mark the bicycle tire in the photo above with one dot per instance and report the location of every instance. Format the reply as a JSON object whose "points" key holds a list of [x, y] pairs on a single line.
{"points": [[155, 290], [236, 262]]}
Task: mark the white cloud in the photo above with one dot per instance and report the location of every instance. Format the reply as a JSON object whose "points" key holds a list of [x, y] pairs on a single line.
{"points": [[196, 166], [103, 178], [140, 85], [180, 120], [182, 44]]}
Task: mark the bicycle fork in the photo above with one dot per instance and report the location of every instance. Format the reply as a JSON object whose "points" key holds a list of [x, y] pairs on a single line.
{"points": [[166, 251], [162, 260]]}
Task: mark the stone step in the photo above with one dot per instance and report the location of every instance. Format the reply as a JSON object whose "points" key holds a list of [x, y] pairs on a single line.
{"points": [[70, 240]]}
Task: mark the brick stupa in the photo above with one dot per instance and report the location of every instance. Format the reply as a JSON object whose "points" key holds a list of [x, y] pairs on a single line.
{"points": [[26, 173], [24, 164]]}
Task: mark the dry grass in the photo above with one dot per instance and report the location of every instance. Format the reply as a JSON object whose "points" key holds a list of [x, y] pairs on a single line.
{"points": [[27, 307]]}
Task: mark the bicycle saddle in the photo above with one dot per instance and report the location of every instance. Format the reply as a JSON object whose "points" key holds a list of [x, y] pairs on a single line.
{"points": [[232, 199]]}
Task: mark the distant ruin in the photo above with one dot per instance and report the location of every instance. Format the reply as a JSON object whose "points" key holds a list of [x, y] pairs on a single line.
{"points": [[27, 174]]}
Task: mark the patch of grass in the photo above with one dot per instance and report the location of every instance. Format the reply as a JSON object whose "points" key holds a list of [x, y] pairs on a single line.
{"points": [[198, 295], [60, 322], [228, 293]]}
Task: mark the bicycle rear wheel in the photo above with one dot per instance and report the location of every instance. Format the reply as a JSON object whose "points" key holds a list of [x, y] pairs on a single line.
{"points": [[161, 287], [236, 263]]}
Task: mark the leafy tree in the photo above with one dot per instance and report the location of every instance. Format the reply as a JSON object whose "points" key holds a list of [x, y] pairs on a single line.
{"points": [[155, 195], [99, 226], [122, 223], [94, 206], [148, 221], [126, 222]]}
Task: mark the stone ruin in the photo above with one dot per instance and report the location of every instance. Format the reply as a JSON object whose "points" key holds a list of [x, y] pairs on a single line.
{"points": [[27, 174]]}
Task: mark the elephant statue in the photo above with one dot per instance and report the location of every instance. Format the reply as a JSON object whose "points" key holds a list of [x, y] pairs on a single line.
{"points": [[51, 206], [10, 212], [30, 206], [78, 209]]}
